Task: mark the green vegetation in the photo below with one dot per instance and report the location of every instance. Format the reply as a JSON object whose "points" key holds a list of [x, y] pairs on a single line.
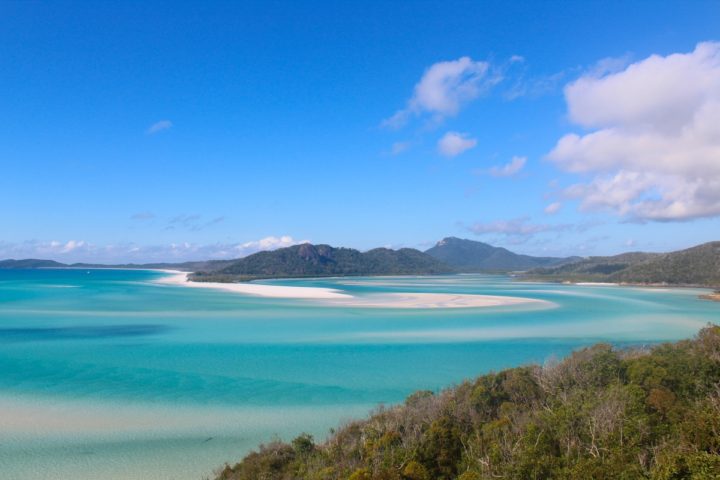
{"points": [[599, 269], [471, 256], [29, 263], [309, 260], [698, 265], [601, 413]]}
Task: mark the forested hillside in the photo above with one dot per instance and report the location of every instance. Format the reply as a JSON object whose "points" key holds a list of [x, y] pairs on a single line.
{"points": [[472, 256], [699, 265], [602, 413], [309, 260]]}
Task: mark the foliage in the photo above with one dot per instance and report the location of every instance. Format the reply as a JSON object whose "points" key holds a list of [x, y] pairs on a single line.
{"points": [[599, 414], [309, 260], [699, 265]]}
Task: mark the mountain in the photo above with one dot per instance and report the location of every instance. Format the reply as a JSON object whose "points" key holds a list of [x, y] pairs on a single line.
{"points": [[471, 256], [699, 265], [29, 263], [309, 260], [601, 413], [593, 268]]}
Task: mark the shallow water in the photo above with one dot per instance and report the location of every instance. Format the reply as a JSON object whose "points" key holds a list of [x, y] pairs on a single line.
{"points": [[104, 373]]}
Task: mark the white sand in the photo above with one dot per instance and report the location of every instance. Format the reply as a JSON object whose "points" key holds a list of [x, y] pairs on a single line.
{"points": [[334, 297], [275, 291], [432, 300]]}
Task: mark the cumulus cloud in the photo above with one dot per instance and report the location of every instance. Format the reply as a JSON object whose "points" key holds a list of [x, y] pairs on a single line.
{"points": [[454, 143], [444, 88], [653, 147], [268, 243], [72, 251], [553, 208], [158, 127], [509, 169]]}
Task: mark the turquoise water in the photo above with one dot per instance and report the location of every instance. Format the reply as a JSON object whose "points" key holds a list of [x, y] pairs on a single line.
{"points": [[104, 372]]}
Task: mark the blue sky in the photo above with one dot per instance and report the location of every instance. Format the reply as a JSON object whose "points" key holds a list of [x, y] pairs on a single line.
{"points": [[167, 131]]}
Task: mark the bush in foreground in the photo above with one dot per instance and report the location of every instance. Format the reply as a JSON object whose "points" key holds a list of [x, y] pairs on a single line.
{"points": [[601, 413]]}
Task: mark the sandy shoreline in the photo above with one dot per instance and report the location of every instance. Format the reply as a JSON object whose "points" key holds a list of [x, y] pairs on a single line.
{"points": [[176, 277], [334, 297]]}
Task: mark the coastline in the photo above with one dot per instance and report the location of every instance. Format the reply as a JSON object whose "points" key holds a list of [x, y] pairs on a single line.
{"points": [[334, 297]]}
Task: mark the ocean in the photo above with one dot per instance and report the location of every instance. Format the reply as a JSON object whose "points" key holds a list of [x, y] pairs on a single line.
{"points": [[108, 374]]}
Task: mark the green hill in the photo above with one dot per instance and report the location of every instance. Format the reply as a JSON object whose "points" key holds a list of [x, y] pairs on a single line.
{"points": [[600, 414], [309, 260], [698, 265], [593, 268], [29, 263], [471, 256]]}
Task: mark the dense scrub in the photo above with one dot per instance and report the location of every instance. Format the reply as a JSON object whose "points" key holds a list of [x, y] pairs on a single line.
{"points": [[601, 413]]}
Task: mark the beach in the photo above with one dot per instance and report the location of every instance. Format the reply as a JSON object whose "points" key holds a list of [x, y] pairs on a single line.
{"points": [[176, 277], [335, 297]]}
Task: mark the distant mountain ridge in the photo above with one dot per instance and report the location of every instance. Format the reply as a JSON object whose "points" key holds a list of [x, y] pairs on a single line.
{"points": [[473, 256], [29, 263], [699, 265]]}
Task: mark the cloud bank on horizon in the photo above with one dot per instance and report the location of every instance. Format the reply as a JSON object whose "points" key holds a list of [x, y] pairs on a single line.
{"points": [[82, 251]]}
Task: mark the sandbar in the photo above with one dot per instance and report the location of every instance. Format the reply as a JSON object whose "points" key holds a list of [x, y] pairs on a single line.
{"points": [[338, 298], [258, 290]]}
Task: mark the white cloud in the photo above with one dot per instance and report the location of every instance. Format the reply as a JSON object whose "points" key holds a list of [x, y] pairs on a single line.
{"points": [[444, 88], [654, 149], [454, 143], [268, 243], [553, 208], [159, 127], [81, 251], [512, 168]]}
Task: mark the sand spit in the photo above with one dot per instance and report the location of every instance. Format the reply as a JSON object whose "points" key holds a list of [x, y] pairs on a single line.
{"points": [[274, 291], [334, 297]]}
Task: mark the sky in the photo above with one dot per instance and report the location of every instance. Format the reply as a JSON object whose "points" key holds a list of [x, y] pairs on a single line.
{"points": [[169, 131]]}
